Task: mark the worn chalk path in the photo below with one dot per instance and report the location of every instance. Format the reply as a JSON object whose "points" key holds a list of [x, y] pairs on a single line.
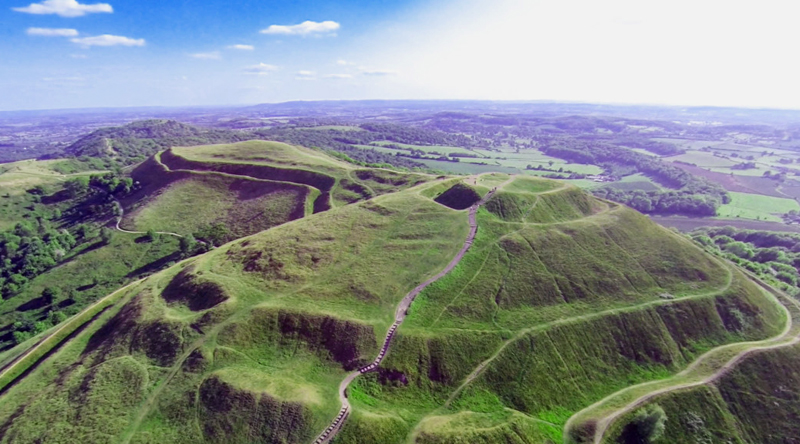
{"points": [[399, 316]]}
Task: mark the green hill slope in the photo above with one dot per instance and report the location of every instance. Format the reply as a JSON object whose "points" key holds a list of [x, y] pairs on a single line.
{"points": [[561, 301], [247, 187]]}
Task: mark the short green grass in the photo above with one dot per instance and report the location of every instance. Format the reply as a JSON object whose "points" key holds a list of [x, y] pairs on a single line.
{"points": [[755, 206], [562, 300]]}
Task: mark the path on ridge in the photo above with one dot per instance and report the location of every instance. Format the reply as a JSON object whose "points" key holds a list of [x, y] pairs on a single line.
{"points": [[789, 336], [399, 316]]}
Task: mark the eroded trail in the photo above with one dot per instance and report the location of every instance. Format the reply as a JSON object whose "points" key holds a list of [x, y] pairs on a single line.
{"points": [[399, 316], [606, 411]]}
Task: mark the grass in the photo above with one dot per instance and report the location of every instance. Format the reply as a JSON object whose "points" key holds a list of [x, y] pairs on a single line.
{"points": [[561, 301], [754, 206], [16, 178], [392, 242], [245, 207]]}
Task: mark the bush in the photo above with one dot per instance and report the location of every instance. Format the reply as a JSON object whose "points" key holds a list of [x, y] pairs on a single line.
{"points": [[646, 426]]}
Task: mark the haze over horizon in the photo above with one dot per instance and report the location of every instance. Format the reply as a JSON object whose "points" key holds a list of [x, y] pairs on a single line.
{"points": [[123, 53]]}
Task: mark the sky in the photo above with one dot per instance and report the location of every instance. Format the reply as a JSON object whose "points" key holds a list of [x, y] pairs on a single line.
{"points": [[117, 53]]}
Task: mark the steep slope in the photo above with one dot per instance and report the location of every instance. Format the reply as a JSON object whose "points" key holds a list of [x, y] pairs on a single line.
{"points": [[562, 300], [295, 307], [247, 187]]}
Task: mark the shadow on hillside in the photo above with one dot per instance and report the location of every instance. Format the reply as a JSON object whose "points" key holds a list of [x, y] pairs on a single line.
{"points": [[50, 352], [55, 198], [36, 303], [154, 266]]}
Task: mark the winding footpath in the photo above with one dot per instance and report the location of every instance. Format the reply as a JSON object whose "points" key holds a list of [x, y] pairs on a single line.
{"points": [[400, 314], [607, 414], [122, 214]]}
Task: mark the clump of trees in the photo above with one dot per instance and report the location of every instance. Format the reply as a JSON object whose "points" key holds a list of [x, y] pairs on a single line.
{"points": [[29, 249], [773, 256], [23, 330]]}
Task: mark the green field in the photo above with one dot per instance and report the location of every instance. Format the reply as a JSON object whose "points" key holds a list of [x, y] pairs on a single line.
{"points": [[442, 150], [754, 206]]}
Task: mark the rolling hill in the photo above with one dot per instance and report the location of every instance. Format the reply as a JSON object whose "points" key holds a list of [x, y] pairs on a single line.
{"points": [[564, 315]]}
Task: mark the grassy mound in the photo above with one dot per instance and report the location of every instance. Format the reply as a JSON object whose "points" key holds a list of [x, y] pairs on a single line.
{"points": [[346, 342], [231, 415], [556, 305], [459, 197]]}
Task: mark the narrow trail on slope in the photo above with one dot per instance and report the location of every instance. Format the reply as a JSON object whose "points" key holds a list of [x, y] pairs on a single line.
{"points": [[122, 214], [786, 338], [400, 314]]}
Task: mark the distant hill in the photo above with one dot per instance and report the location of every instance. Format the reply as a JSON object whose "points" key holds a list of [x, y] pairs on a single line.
{"points": [[138, 140], [134, 142]]}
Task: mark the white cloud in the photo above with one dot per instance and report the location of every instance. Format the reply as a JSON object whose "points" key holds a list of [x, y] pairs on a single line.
{"points": [[52, 32], [108, 40], [242, 47], [306, 75], [214, 55], [341, 62], [305, 28], [261, 69], [64, 8], [339, 76], [377, 72]]}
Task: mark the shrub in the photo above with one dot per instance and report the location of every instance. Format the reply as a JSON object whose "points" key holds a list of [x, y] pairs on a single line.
{"points": [[646, 426]]}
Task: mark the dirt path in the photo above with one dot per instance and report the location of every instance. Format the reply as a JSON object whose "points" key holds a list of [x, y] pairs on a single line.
{"points": [[122, 214], [400, 314], [786, 338]]}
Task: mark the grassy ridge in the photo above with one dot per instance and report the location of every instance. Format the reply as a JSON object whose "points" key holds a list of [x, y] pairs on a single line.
{"points": [[562, 300], [640, 303], [278, 342]]}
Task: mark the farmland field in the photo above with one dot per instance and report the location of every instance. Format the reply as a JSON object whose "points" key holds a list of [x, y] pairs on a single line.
{"points": [[635, 182], [751, 206], [687, 224], [740, 184]]}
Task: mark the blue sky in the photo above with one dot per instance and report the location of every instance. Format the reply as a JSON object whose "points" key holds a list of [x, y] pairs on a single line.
{"points": [[76, 53]]}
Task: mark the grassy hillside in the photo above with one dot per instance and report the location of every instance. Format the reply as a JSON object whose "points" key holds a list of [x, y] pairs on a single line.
{"points": [[247, 187], [562, 300], [293, 312]]}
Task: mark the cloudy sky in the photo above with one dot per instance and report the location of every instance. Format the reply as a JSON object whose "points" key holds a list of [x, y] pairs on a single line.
{"points": [[84, 53]]}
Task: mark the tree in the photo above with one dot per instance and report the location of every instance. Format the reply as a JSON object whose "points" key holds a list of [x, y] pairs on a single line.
{"points": [[105, 235], [740, 249], [76, 187], [188, 244], [151, 236], [646, 426], [49, 294], [56, 317]]}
